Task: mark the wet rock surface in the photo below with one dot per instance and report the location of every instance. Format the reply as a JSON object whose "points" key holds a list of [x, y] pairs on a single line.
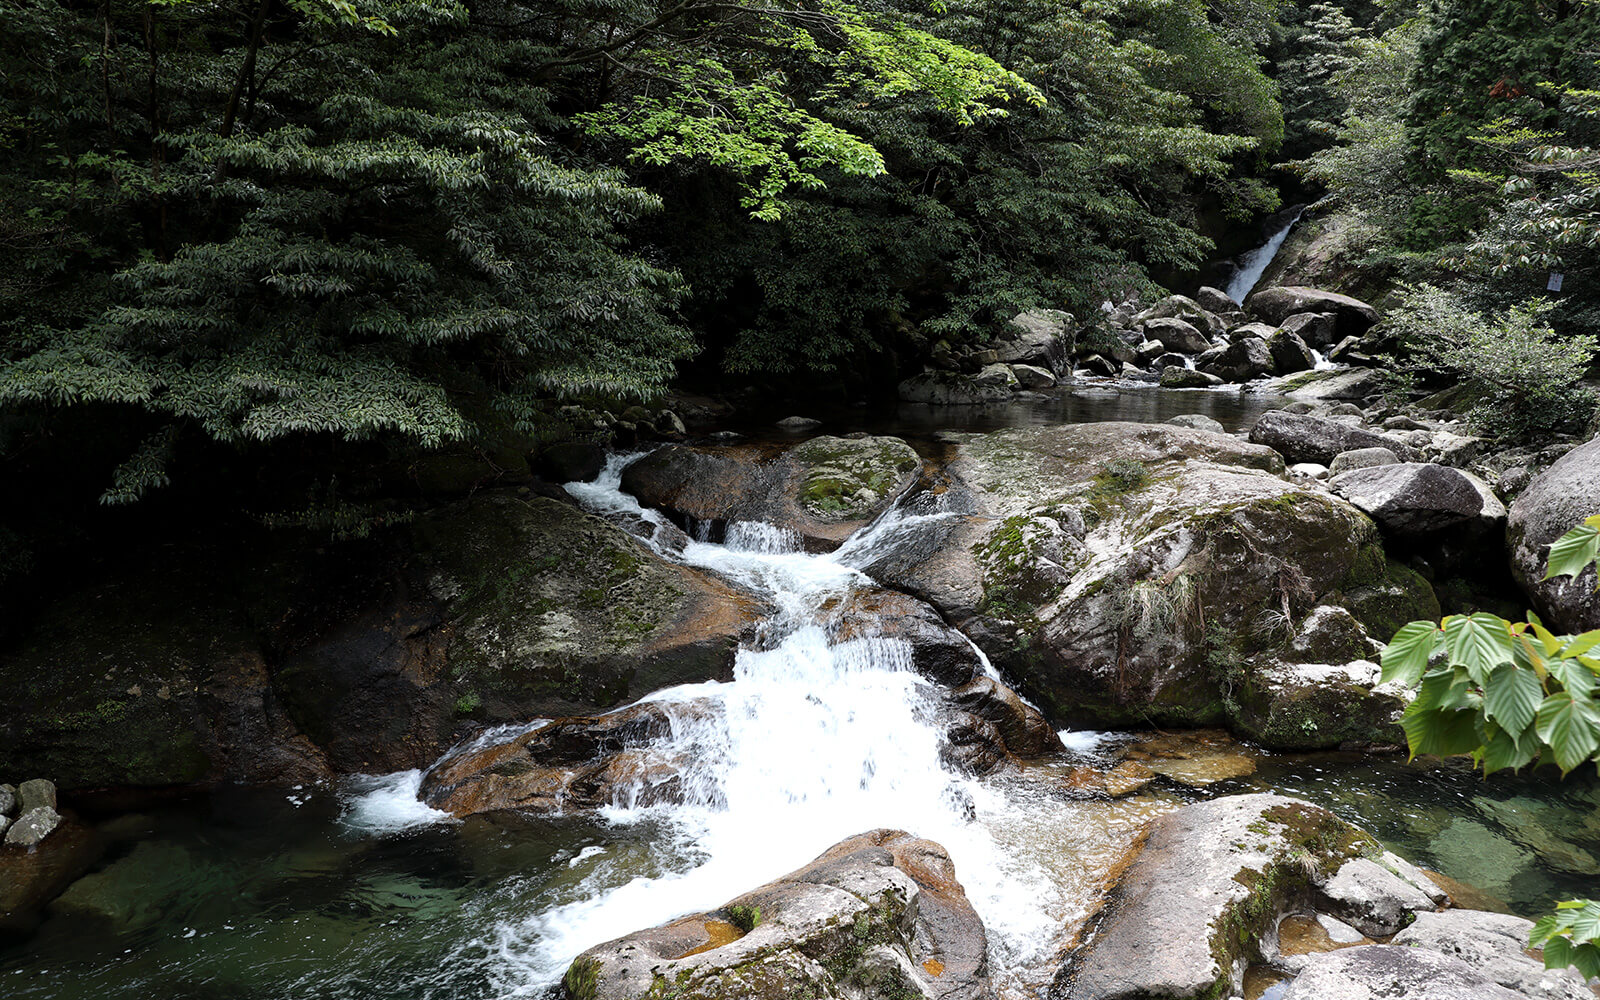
{"points": [[1204, 895], [880, 914], [824, 489], [1305, 438], [1379, 972]]}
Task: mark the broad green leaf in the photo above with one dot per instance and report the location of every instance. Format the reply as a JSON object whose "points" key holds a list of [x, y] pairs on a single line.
{"points": [[1586, 927], [1480, 642], [1557, 952], [1572, 553], [1441, 733], [1505, 752], [1570, 727], [1574, 676], [1406, 657], [1511, 697], [1586, 957], [1581, 644]]}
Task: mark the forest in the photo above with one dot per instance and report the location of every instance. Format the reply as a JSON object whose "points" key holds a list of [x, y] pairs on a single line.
{"points": [[323, 237]]}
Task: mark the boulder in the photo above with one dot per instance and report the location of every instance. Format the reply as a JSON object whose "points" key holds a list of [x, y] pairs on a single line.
{"points": [[1216, 300], [1184, 308], [1176, 335], [823, 489], [1243, 360], [569, 765], [1311, 470], [1197, 422], [1380, 972], [1169, 360], [8, 800], [880, 914], [1352, 317], [1494, 944], [1316, 329], [1179, 377], [32, 827], [1031, 377], [1554, 502], [1288, 705], [1039, 337], [1362, 458], [1304, 438], [1203, 897], [995, 374], [799, 424], [1359, 384], [1148, 352], [1416, 498], [943, 388], [1104, 367], [1260, 331], [39, 793], [1290, 353]]}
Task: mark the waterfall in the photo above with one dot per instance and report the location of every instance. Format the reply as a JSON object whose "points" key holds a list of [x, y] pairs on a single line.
{"points": [[1253, 264], [811, 742]]}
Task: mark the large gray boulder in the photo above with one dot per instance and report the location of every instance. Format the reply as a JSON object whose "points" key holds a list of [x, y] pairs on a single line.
{"points": [[8, 800], [1216, 300], [1176, 335], [950, 389], [1555, 502], [1243, 360], [1303, 438], [1316, 329], [1122, 574], [36, 794], [878, 915], [1290, 353], [1179, 377], [1418, 498], [1385, 972], [1362, 458], [1184, 308], [1038, 337], [1203, 897], [1496, 945], [1352, 317]]}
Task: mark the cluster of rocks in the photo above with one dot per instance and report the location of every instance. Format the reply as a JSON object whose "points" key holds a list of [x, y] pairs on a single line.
{"points": [[1179, 342], [28, 813], [1259, 884]]}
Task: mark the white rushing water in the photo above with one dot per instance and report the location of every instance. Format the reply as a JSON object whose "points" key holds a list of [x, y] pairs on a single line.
{"points": [[813, 741], [1254, 264]]}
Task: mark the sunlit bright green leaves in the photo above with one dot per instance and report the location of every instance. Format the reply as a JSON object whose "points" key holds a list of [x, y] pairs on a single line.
{"points": [[1406, 656], [1567, 936]]}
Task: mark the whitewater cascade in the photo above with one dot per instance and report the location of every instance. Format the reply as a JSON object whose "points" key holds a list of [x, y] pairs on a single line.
{"points": [[1253, 265], [811, 742]]}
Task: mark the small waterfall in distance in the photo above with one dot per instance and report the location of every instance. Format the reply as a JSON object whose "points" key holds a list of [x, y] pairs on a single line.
{"points": [[1253, 265]]}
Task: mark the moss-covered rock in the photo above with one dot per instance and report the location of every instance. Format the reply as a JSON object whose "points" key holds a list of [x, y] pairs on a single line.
{"points": [[823, 489], [878, 915]]}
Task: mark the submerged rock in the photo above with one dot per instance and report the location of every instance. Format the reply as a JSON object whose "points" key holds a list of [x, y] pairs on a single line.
{"points": [[880, 914], [1204, 895]]}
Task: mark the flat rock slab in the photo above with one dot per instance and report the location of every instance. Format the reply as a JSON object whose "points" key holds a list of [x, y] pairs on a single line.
{"points": [[1212, 879], [1495, 944], [1387, 972]]}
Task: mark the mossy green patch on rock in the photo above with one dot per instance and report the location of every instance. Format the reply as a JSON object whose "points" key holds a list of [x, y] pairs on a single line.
{"points": [[846, 478]]}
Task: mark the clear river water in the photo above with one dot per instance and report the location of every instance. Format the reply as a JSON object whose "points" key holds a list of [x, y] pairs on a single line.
{"points": [[357, 889]]}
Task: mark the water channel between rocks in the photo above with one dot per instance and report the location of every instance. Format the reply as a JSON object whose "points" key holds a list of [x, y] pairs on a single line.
{"points": [[360, 890]]}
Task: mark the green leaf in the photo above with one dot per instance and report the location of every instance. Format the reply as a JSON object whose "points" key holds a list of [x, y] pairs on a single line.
{"points": [[1581, 644], [1573, 552], [1570, 727], [1406, 657], [1557, 953], [1480, 642], [1504, 752], [1511, 697], [1574, 675], [1586, 958], [1441, 733]]}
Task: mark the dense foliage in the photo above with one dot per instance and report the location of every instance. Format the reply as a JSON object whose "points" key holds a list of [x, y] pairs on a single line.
{"points": [[431, 222]]}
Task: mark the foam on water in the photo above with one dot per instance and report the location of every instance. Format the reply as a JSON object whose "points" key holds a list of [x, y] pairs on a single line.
{"points": [[811, 742], [387, 803]]}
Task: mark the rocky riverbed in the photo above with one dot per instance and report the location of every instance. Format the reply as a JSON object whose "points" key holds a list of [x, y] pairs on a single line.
{"points": [[820, 712]]}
